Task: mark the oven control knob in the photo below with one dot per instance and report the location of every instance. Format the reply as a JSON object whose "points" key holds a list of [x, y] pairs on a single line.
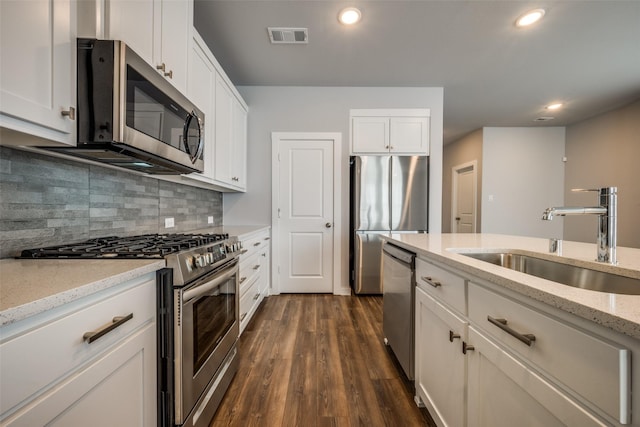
{"points": [[201, 261], [210, 258]]}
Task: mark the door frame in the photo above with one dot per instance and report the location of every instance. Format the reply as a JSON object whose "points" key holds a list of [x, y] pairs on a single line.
{"points": [[276, 139], [455, 170]]}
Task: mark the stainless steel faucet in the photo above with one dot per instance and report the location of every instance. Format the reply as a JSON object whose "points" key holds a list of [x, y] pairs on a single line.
{"points": [[607, 221]]}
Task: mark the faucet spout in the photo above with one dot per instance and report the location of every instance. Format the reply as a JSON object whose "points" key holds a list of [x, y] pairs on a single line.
{"points": [[607, 221], [549, 213]]}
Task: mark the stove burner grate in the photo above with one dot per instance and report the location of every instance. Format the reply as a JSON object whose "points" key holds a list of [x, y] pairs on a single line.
{"points": [[147, 246]]}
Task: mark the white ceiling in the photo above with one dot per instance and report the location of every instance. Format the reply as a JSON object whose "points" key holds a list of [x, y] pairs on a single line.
{"points": [[583, 53]]}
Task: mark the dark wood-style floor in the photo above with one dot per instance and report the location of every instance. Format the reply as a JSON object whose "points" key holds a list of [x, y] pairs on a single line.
{"points": [[317, 360]]}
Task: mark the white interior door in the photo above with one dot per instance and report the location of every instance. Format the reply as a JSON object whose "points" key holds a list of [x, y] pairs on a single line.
{"points": [[464, 198], [305, 215]]}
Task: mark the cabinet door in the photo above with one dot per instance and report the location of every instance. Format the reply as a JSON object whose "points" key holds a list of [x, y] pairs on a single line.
{"points": [[370, 135], [177, 20], [502, 391], [409, 135], [224, 126], [137, 23], [37, 70], [201, 86], [239, 148], [117, 389], [440, 364]]}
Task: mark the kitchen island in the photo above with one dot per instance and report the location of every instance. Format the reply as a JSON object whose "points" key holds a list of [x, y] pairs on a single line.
{"points": [[508, 346]]}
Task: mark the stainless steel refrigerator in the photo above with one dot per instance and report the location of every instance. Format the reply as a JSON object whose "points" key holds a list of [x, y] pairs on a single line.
{"points": [[389, 194]]}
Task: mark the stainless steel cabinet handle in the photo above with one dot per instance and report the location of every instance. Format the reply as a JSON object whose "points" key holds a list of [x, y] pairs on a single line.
{"points": [[256, 296], [90, 337], [467, 347], [267, 238], [453, 336], [528, 339], [256, 244], [71, 113], [161, 67], [169, 74], [242, 279], [264, 255], [243, 316], [430, 281], [328, 225], [257, 266], [244, 251]]}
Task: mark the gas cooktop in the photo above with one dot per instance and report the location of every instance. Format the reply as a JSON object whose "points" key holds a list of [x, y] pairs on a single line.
{"points": [[146, 246]]}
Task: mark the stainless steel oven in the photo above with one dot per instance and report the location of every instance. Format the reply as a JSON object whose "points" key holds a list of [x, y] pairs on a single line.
{"points": [[198, 322], [206, 327]]}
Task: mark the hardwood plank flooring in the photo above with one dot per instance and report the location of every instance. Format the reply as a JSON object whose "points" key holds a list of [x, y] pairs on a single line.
{"points": [[316, 361]]}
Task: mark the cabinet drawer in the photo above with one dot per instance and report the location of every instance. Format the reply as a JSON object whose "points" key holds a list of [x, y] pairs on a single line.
{"points": [[594, 368], [42, 356], [248, 300], [441, 284], [249, 268], [254, 243]]}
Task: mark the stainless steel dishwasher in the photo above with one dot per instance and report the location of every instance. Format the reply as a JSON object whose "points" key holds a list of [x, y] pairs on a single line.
{"points": [[398, 279]]}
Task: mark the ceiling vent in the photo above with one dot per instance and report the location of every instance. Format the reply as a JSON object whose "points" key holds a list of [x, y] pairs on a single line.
{"points": [[544, 119], [288, 35]]}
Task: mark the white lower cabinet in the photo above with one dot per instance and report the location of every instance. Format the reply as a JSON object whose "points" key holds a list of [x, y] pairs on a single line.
{"points": [[254, 273], [503, 391], [517, 361], [52, 375], [440, 365]]}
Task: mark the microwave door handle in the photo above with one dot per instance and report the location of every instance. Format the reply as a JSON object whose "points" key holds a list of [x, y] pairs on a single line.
{"points": [[200, 139], [200, 290]]}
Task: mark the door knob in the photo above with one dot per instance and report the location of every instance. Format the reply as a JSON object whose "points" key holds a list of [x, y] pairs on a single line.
{"points": [[328, 225]]}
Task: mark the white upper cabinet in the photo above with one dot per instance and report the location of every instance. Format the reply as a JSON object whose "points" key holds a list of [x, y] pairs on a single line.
{"points": [[201, 89], [225, 152], [390, 131], [37, 70], [231, 137], [157, 30]]}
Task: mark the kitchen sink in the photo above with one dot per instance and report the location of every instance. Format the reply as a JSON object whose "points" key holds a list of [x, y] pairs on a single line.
{"points": [[571, 275]]}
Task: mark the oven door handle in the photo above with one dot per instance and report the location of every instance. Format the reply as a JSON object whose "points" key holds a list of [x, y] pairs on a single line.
{"points": [[199, 290]]}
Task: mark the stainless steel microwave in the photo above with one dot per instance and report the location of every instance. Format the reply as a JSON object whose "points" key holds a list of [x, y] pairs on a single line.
{"points": [[129, 115]]}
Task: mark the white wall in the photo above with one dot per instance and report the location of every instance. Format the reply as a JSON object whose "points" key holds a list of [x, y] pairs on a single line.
{"points": [[523, 174], [321, 109], [603, 151]]}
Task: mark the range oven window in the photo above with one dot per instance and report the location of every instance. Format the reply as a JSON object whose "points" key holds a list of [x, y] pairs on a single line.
{"points": [[213, 315]]}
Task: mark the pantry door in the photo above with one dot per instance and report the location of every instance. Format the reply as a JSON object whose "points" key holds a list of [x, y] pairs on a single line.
{"points": [[304, 212]]}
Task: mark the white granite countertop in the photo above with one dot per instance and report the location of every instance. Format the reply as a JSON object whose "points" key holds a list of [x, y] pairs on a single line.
{"points": [[233, 230], [32, 286], [615, 311]]}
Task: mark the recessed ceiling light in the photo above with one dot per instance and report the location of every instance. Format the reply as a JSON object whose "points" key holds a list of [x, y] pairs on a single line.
{"points": [[554, 106], [529, 18], [349, 16]]}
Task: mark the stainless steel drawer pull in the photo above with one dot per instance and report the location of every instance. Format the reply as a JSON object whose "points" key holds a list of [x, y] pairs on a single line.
{"points": [[256, 244], [267, 238], [244, 251], [528, 339], [90, 337], [242, 279], [256, 296], [257, 266], [430, 281], [453, 336], [243, 316]]}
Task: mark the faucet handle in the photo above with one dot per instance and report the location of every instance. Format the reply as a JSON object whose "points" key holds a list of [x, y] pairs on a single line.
{"points": [[584, 190]]}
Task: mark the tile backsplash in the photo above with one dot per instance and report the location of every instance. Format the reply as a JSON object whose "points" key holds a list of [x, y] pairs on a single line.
{"points": [[48, 201]]}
